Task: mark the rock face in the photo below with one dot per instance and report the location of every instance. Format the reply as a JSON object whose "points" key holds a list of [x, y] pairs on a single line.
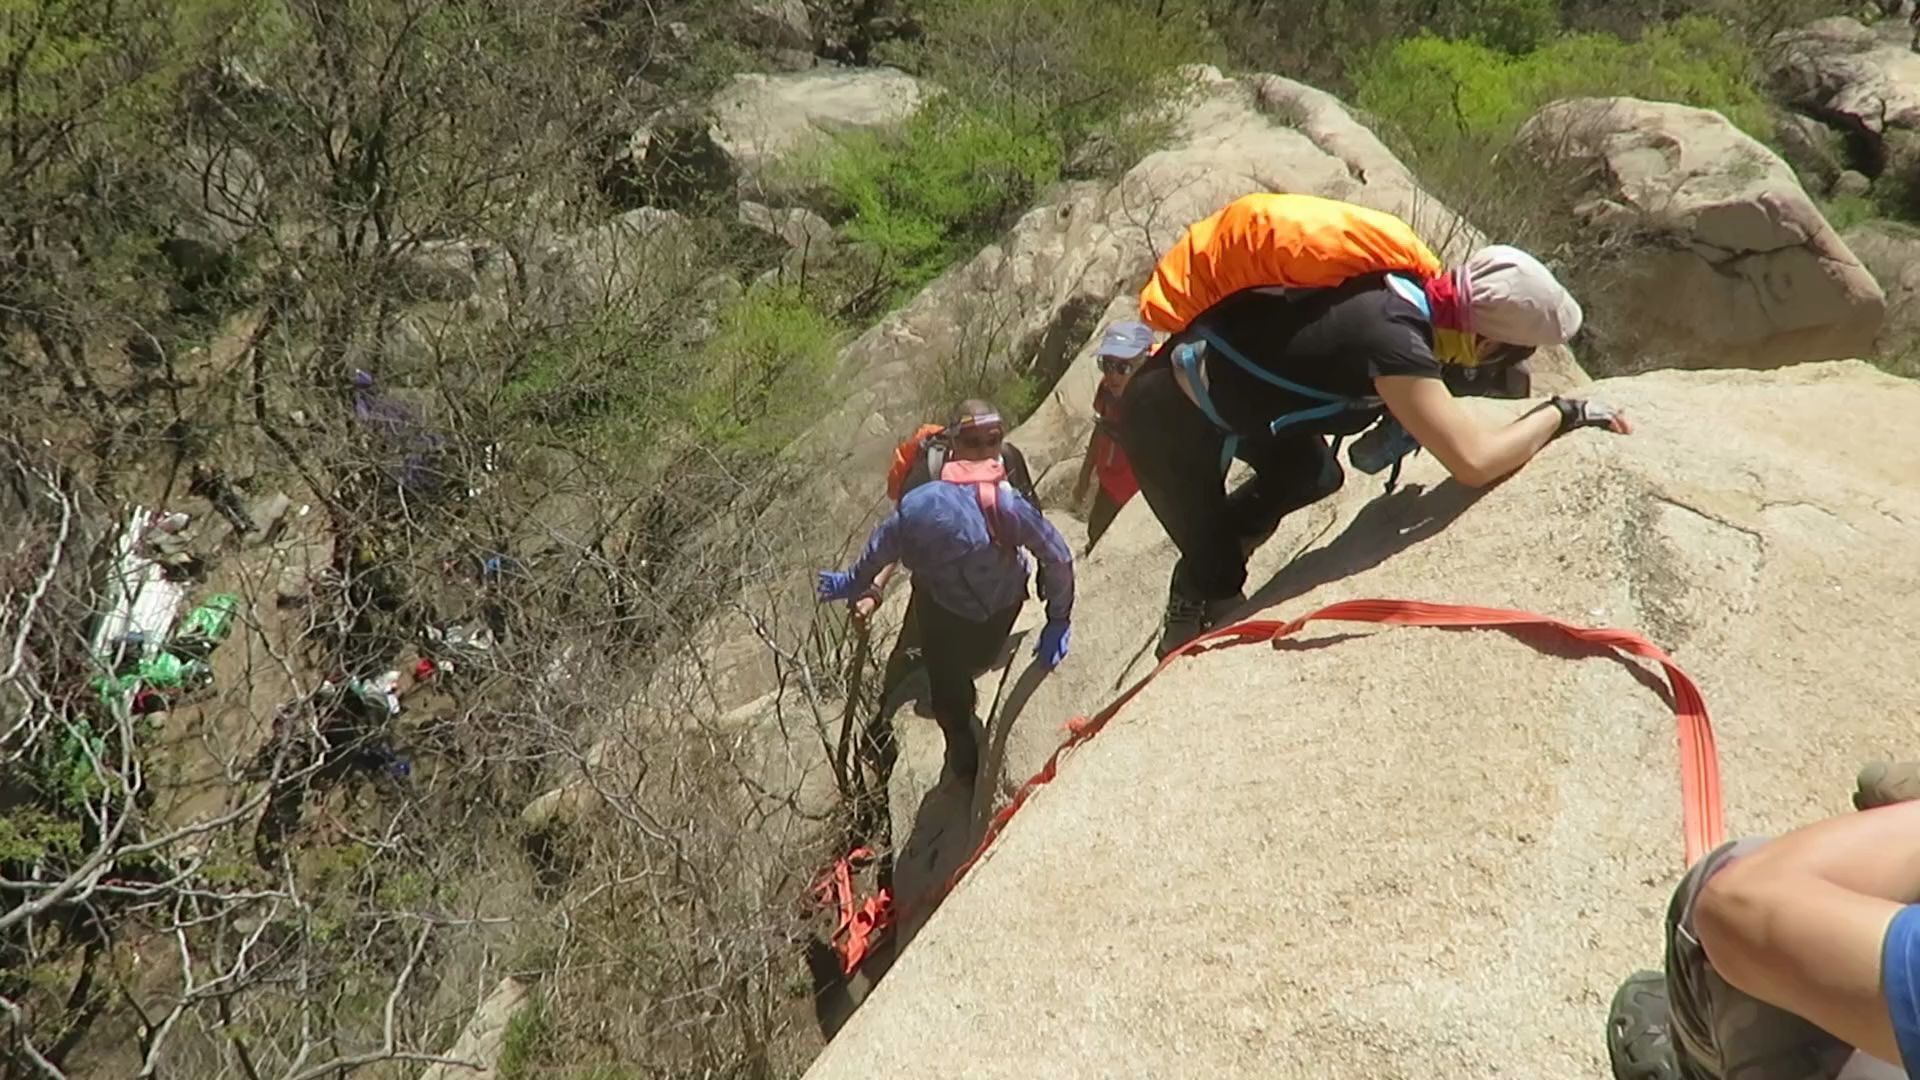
{"points": [[776, 24], [1724, 261], [1863, 81], [1815, 150], [485, 1036], [1398, 852], [1040, 296], [222, 195], [763, 121], [1891, 251]]}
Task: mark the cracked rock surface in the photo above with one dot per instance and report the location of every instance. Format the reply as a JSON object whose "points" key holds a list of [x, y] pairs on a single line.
{"points": [[1727, 262]]}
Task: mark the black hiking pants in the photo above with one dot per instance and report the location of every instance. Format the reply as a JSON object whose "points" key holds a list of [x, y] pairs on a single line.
{"points": [[1176, 450], [906, 650], [956, 650], [953, 650], [1105, 509]]}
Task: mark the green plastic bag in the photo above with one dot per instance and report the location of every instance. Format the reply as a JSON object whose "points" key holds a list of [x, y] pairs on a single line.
{"points": [[165, 671], [206, 626]]}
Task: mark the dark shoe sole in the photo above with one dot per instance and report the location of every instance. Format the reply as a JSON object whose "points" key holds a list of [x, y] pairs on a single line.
{"points": [[1639, 1046], [1883, 783]]}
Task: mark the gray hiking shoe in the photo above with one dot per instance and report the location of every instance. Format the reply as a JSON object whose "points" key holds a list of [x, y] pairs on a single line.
{"points": [[1883, 783], [1188, 618], [1639, 1043]]}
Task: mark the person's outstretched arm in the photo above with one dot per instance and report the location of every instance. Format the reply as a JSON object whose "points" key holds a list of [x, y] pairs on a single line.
{"points": [[1803, 924], [883, 549], [1473, 453]]}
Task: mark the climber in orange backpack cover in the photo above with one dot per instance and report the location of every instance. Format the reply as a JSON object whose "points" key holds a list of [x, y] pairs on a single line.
{"points": [[1294, 318]]}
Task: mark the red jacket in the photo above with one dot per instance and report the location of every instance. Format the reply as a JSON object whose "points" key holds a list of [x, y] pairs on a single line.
{"points": [[1109, 459]]}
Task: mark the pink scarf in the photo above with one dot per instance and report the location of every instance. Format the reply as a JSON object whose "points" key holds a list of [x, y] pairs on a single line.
{"points": [[1448, 294]]}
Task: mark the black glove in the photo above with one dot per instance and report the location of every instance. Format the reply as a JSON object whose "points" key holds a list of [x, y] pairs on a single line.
{"points": [[1577, 413]]}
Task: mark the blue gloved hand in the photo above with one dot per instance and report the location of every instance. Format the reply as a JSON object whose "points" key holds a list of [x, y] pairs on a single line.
{"points": [[1052, 646], [834, 585]]}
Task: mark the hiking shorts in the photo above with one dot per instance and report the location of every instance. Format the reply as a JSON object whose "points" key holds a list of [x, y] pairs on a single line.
{"points": [[1720, 1033]]}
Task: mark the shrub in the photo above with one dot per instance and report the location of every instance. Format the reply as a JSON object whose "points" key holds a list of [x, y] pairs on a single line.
{"points": [[762, 376], [1024, 85], [1069, 68], [1438, 96], [952, 176]]}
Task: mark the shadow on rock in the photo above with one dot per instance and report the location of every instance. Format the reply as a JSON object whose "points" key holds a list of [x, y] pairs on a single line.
{"points": [[1383, 528]]}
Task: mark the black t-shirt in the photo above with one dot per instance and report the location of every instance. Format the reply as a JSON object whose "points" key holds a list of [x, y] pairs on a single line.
{"points": [[1337, 340]]}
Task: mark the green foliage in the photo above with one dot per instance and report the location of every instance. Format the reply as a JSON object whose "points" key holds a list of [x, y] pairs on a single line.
{"points": [[573, 379], [1843, 212], [612, 380], [760, 380], [27, 835], [1024, 87], [1438, 95], [989, 376], [102, 68], [1069, 68], [1327, 42], [525, 1041], [1752, 20], [932, 192]]}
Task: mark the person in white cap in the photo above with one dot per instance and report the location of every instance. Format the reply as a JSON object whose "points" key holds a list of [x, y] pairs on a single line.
{"points": [[1123, 347], [1265, 375]]}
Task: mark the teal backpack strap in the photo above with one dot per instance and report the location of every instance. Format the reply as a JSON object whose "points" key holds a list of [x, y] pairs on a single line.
{"points": [[1335, 403], [1263, 374], [1186, 357], [1412, 292]]}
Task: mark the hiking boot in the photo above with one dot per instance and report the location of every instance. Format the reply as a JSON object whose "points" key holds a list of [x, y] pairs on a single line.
{"points": [[1883, 783], [1639, 1045], [1187, 618]]}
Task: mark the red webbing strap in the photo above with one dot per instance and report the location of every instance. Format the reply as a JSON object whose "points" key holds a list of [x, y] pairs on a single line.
{"points": [[858, 924], [1703, 826]]}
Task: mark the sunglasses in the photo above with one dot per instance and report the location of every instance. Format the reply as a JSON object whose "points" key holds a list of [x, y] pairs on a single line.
{"points": [[1113, 365]]}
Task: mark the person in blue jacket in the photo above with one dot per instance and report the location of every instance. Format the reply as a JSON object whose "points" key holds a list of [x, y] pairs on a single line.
{"points": [[960, 538]]}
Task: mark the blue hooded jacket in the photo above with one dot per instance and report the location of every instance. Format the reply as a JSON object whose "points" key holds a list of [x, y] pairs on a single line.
{"points": [[939, 534]]}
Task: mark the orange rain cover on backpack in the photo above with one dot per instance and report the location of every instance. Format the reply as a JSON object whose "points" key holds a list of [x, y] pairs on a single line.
{"points": [[1293, 240], [903, 458]]}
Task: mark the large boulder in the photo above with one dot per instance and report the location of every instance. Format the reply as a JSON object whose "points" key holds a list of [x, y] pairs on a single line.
{"points": [[1397, 852], [673, 161], [1716, 256], [1039, 297], [1862, 81], [768, 126], [221, 198], [1891, 251]]}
